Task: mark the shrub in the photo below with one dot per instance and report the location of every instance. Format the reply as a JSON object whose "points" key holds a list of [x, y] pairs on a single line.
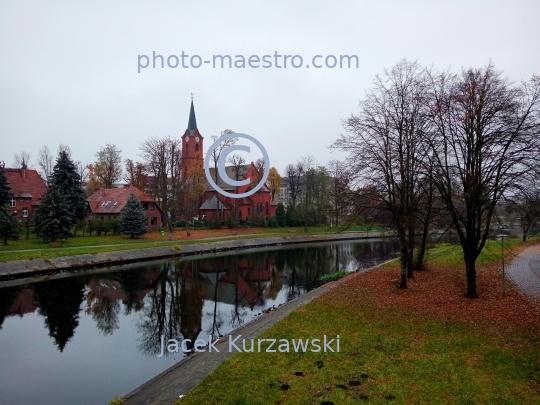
{"points": [[214, 223], [231, 222], [259, 221], [179, 223], [272, 222]]}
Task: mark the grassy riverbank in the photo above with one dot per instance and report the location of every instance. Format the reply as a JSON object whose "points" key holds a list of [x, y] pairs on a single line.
{"points": [[424, 345], [32, 248]]}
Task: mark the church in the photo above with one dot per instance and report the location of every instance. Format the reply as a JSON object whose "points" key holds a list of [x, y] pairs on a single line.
{"points": [[213, 204]]}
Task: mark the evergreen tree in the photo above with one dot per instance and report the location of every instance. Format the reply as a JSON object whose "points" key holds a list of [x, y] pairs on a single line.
{"points": [[68, 181], [133, 218], [59, 302], [281, 217], [291, 217], [5, 196], [53, 218], [9, 226]]}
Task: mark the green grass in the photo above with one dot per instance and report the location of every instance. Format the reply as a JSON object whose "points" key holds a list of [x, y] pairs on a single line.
{"points": [[79, 245], [415, 359], [446, 254], [334, 276]]}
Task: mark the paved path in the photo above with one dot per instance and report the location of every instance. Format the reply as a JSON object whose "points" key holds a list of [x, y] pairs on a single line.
{"points": [[524, 271]]}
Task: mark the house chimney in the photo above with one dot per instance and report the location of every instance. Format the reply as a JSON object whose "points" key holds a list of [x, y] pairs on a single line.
{"points": [[102, 191], [24, 173]]}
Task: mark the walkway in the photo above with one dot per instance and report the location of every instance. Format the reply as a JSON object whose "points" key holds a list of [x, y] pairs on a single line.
{"points": [[524, 271]]}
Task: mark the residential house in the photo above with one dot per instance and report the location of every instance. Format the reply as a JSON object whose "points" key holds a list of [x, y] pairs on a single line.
{"points": [[27, 189], [107, 203]]}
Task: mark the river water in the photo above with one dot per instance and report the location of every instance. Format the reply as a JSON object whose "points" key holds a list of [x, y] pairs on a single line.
{"points": [[84, 339]]}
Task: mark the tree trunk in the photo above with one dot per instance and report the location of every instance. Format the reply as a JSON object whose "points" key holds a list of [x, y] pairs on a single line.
{"points": [[419, 265], [403, 278], [410, 253], [470, 268]]}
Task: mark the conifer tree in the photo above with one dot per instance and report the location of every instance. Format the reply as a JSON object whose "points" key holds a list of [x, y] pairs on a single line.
{"points": [[68, 181], [281, 216], [9, 226], [133, 218], [53, 218], [5, 196]]}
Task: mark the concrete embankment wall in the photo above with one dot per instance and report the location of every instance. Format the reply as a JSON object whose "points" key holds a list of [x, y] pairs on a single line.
{"points": [[36, 267]]}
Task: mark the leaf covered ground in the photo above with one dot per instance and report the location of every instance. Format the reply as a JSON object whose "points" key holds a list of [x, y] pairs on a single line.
{"points": [[424, 345]]}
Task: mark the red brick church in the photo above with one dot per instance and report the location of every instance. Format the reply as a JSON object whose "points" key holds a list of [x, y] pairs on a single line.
{"points": [[214, 204]]}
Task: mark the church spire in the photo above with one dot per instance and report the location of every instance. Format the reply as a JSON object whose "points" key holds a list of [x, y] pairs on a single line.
{"points": [[192, 123]]}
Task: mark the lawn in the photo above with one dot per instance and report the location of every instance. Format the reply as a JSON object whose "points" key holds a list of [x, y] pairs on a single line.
{"points": [[424, 345], [33, 248]]}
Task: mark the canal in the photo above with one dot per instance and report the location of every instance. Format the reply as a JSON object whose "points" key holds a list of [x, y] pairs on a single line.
{"points": [[84, 339]]}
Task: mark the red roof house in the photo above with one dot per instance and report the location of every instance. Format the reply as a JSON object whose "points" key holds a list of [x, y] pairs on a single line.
{"points": [[27, 188], [107, 203]]}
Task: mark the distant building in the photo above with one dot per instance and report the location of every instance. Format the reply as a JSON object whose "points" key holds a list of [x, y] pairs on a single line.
{"points": [[107, 203], [285, 192], [27, 189]]}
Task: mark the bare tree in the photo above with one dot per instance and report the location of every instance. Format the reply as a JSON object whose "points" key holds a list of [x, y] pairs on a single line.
{"points": [[45, 162], [524, 201], [82, 171], [135, 174], [64, 148], [110, 160], [484, 138], [237, 162], [295, 174], [385, 152], [163, 161], [216, 153], [338, 191], [22, 160]]}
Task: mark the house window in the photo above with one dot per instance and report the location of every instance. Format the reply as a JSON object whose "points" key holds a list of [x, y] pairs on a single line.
{"points": [[153, 221], [25, 212], [22, 199], [249, 211], [12, 202], [151, 206]]}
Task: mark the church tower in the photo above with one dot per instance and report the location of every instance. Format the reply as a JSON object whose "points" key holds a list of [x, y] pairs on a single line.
{"points": [[192, 142]]}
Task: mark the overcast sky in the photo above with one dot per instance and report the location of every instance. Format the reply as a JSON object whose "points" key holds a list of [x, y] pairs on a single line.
{"points": [[69, 73]]}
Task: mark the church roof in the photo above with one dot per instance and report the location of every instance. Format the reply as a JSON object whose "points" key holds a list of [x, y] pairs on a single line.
{"points": [[192, 123], [213, 203], [231, 172]]}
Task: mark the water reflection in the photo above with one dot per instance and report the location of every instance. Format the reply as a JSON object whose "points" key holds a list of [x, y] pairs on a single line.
{"points": [[185, 299]]}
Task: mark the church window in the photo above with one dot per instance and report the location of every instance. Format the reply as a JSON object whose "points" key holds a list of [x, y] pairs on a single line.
{"points": [[196, 147]]}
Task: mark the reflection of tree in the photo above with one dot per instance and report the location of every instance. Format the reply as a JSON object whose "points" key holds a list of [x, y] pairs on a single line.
{"points": [[191, 306], [275, 285], [104, 311], [132, 283], [217, 321], [7, 298], [59, 301], [173, 309]]}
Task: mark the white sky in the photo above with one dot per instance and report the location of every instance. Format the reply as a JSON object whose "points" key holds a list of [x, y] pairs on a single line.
{"points": [[68, 70]]}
